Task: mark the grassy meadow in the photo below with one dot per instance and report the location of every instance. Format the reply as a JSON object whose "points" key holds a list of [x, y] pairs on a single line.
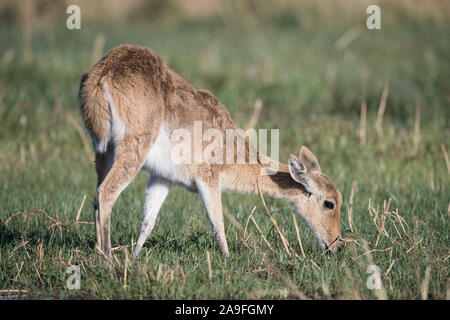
{"points": [[373, 105]]}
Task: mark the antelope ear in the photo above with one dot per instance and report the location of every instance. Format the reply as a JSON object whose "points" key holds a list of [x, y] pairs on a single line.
{"points": [[299, 172], [309, 159]]}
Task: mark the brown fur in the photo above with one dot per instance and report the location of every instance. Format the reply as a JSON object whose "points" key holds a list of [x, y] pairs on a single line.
{"points": [[145, 93]]}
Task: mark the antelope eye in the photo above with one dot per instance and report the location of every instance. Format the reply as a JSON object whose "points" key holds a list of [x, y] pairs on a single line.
{"points": [[328, 204]]}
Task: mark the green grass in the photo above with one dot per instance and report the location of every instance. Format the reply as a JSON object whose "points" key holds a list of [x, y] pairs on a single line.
{"points": [[310, 90]]}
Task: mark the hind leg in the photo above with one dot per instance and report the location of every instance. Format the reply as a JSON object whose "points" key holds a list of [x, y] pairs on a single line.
{"points": [[130, 154], [157, 191], [103, 163]]}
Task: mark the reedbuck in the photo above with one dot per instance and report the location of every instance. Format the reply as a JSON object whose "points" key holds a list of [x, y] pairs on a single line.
{"points": [[132, 103]]}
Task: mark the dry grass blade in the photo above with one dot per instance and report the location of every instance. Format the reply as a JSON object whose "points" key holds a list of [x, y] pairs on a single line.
{"points": [[22, 244], [159, 273], [38, 274], [369, 207], [18, 272], [380, 112], [298, 236], [255, 116], [91, 275], [83, 137], [17, 293], [103, 254], [348, 37], [13, 291], [57, 224], [80, 209], [362, 123], [413, 246], [262, 235], [85, 222], [116, 260], [350, 240], [448, 289], [283, 238], [350, 208], [97, 50], [375, 250], [389, 269], [401, 221], [248, 220], [301, 245], [233, 220], [125, 271], [394, 225], [40, 250], [294, 291], [426, 284], [447, 162], [416, 136], [208, 260], [29, 214], [448, 210]]}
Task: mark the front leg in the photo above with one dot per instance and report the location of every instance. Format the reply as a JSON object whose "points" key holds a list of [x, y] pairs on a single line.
{"points": [[212, 200], [157, 191]]}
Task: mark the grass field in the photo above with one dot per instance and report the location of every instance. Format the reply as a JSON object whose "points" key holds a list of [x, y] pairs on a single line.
{"points": [[312, 75]]}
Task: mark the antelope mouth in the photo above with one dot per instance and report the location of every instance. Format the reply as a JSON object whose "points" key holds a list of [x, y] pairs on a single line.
{"points": [[335, 246]]}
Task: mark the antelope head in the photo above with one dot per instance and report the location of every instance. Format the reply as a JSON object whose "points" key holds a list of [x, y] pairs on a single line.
{"points": [[320, 208]]}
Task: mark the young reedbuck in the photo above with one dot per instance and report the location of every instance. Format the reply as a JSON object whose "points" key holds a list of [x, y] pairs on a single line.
{"points": [[132, 103]]}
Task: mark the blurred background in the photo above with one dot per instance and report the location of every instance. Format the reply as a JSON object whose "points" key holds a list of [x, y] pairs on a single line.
{"points": [[291, 54]]}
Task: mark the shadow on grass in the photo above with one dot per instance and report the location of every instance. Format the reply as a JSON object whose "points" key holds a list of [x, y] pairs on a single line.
{"points": [[182, 243], [50, 238]]}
